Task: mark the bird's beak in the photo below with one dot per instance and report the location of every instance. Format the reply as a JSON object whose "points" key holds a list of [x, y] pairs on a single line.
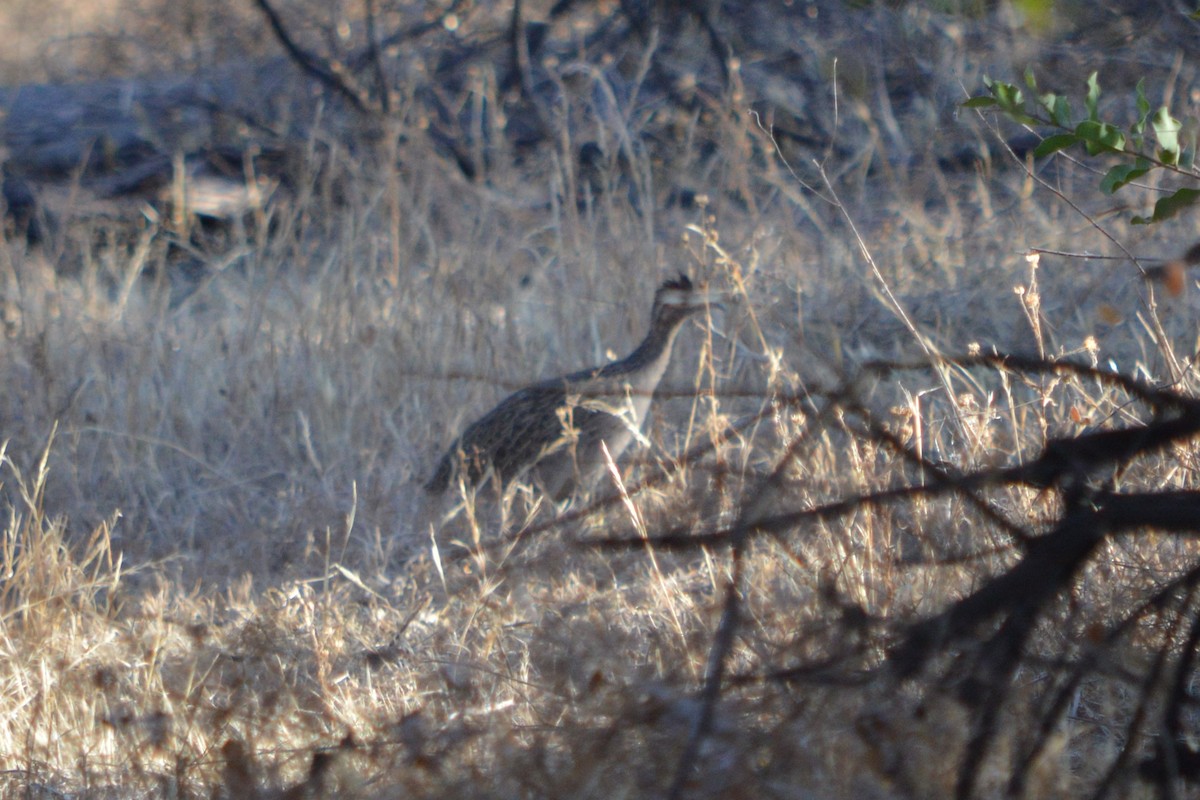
{"points": [[711, 299]]}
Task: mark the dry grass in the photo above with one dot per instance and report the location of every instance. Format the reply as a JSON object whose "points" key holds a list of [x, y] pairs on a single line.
{"points": [[220, 576], [61, 41]]}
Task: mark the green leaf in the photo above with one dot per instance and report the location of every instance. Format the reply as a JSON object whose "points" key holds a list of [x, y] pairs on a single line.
{"points": [[1170, 205], [1011, 101], [1061, 113], [1187, 141], [1100, 137], [1138, 129], [1122, 174], [1057, 108], [1166, 130], [983, 101], [1038, 14], [1052, 144], [1093, 97], [1030, 80], [1009, 96], [1143, 105]]}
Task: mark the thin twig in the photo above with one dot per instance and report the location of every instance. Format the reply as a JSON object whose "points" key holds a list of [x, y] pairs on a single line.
{"points": [[326, 72], [376, 57]]}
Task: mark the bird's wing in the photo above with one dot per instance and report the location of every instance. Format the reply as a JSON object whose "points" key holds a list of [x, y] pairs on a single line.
{"points": [[513, 433], [524, 427], [508, 438]]}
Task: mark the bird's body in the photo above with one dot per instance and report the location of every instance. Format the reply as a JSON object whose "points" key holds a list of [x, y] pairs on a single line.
{"points": [[555, 429]]}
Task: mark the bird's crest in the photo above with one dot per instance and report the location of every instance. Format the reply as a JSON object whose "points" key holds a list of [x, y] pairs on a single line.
{"points": [[682, 283], [674, 292]]}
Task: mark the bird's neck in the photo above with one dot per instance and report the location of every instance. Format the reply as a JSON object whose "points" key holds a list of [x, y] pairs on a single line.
{"points": [[654, 351]]}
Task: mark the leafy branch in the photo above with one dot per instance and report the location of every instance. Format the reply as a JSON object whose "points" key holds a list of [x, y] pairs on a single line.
{"points": [[1155, 140]]}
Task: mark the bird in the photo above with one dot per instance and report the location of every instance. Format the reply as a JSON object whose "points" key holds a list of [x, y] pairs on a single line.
{"points": [[555, 431]]}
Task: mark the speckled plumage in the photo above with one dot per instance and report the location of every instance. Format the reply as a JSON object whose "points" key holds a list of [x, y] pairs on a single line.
{"points": [[553, 429]]}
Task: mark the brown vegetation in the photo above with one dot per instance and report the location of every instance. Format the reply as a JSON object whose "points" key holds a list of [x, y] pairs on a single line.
{"points": [[844, 565]]}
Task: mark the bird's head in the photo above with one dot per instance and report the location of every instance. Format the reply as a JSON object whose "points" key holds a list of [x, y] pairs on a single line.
{"points": [[679, 298]]}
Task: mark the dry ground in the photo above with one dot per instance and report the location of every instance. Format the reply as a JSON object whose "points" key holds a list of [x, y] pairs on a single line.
{"points": [[221, 577]]}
